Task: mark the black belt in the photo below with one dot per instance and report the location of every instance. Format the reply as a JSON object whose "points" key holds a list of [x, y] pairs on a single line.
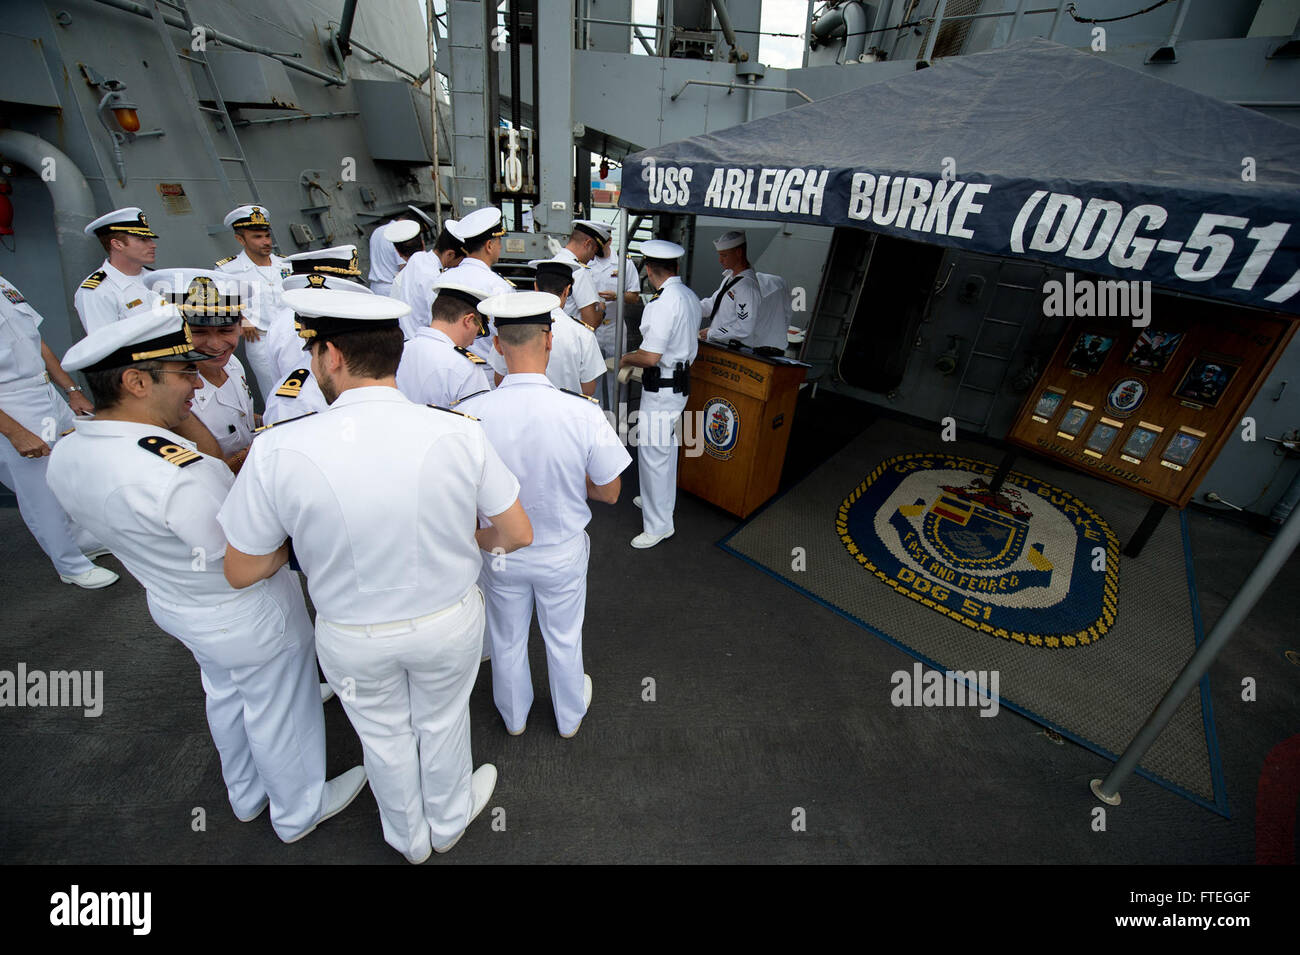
{"points": [[679, 382]]}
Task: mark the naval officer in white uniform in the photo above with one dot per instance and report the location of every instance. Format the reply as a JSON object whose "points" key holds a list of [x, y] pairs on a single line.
{"points": [[420, 269], [142, 489], [437, 367], [319, 268], [33, 417], [585, 242], [213, 305], [117, 288], [263, 271], [575, 362], [480, 236], [381, 497], [563, 451], [668, 345]]}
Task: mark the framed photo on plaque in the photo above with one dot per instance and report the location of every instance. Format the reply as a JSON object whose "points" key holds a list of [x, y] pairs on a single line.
{"points": [[1048, 402], [1205, 381], [1138, 445], [1103, 436], [1089, 352], [1153, 349], [1178, 453], [1073, 420]]}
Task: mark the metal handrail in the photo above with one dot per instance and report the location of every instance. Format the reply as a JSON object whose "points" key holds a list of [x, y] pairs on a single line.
{"points": [[747, 87]]}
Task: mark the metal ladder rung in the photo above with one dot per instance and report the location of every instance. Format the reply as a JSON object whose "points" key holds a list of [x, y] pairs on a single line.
{"points": [[212, 109], [981, 390], [192, 59], [1023, 288], [989, 354], [238, 159], [1003, 321], [178, 7]]}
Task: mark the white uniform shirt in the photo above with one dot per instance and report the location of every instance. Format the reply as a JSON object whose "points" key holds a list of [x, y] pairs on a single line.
{"points": [[285, 343], [227, 411], [575, 356], [670, 324], [604, 273], [384, 263], [159, 518], [264, 286], [381, 498], [108, 295], [551, 441], [736, 316], [583, 292], [477, 275], [297, 394], [26, 395], [433, 371], [415, 289]]}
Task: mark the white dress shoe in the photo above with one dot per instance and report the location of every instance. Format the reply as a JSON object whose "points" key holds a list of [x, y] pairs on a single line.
{"points": [[93, 579], [261, 808], [326, 692], [637, 500], [643, 540], [481, 785], [338, 795], [586, 705]]}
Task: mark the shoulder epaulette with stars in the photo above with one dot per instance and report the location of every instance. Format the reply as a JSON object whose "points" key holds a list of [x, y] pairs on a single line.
{"points": [[268, 427], [229, 258], [170, 451], [470, 355], [93, 279], [579, 394], [292, 385], [451, 411]]}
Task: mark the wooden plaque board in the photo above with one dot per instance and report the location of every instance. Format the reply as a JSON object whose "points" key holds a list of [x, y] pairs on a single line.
{"points": [[1150, 408]]}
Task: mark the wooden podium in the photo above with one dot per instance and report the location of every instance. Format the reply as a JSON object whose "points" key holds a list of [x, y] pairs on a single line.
{"points": [[737, 426]]}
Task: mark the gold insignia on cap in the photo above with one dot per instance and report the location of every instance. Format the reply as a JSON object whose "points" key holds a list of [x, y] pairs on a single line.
{"points": [[257, 217], [315, 281], [355, 264], [202, 293]]}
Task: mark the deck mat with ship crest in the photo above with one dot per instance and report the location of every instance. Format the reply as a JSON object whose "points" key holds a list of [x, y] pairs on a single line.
{"points": [[899, 533]]}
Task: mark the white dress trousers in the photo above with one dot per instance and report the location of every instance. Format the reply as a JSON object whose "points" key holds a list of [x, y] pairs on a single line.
{"points": [[657, 458], [405, 686], [258, 666], [555, 577]]}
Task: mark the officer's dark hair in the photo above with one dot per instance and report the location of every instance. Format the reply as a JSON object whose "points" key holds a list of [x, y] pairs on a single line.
{"points": [[369, 354], [450, 309], [552, 283], [106, 385], [516, 335], [448, 243], [410, 246], [662, 266], [477, 243]]}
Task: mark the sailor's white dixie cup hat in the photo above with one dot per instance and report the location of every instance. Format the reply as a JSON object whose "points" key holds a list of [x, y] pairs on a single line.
{"points": [[520, 308], [480, 224], [317, 280], [128, 221], [729, 240], [340, 260], [324, 313], [160, 334], [402, 230], [248, 217], [204, 297], [662, 250], [467, 295], [597, 230]]}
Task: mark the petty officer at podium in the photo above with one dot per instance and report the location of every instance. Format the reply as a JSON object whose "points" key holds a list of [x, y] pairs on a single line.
{"points": [[733, 308], [563, 451], [669, 330], [117, 289], [381, 497], [263, 270], [142, 489]]}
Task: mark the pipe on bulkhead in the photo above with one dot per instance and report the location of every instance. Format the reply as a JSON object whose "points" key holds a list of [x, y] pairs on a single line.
{"points": [[855, 31], [74, 206]]}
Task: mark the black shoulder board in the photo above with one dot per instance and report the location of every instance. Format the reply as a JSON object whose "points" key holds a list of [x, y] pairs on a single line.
{"points": [[470, 355], [229, 258], [268, 427], [170, 451], [466, 398], [450, 411], [579, 394], [93, 279], [292, 385]]}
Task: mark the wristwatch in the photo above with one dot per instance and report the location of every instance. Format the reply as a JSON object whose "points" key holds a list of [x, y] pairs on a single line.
{"points": [[73, 388]]}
